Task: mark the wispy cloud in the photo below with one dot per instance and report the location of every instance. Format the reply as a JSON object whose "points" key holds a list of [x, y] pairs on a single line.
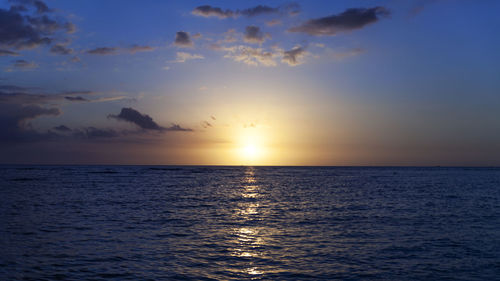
{"points": [[210, 11], [294, 56], [103, 51], [183, 57]]}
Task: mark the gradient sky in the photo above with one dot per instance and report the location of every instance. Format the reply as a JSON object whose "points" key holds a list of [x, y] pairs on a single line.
{"points": [[250, 83]]}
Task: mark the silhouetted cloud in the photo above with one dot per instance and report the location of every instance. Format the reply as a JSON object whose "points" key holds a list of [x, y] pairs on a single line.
{"points": [[143, 121], [293, 57], [93, 132], [62, 128], [350, 19], [61, 50], [254, 35], [182, 39], [77, 98], [22, 30], [131, 115], [177, 127], [41, 7], [210, 11], [103, 51], [14, 121], [258, 10], [8, 53]]}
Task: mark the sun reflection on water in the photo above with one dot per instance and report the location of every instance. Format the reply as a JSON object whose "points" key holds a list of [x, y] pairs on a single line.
{"points": [[248, 238]]}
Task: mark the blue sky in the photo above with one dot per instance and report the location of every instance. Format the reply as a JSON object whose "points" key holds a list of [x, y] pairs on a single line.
{"points": [[300, 83]]}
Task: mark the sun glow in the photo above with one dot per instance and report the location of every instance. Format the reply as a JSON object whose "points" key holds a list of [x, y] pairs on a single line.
{"points": [[251, 149]]}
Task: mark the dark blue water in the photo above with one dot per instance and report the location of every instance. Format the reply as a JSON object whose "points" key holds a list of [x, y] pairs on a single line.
{"points": [[246, 223]]}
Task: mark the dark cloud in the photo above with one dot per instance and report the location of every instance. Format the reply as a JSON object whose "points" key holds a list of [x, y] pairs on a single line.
{"points": [[144, 121], [259, 10], [61, 50], [131, 115], [25, 65], [32, 96], [8, 53], [103, 51], [206, 124], [293, 56], [182, 39], [93, 132], [18, 33], [177, 127], [62, 128], [253, 34], [350, 19], [14, 121], [22, 30], [41, 7], [77, 98], [209, 11]]}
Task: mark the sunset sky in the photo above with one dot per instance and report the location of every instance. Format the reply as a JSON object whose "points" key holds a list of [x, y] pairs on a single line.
{"points": [[250, 82]]}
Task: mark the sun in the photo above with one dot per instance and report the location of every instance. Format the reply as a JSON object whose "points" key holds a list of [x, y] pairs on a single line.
{"points": [[250, 148], [250, 151]]}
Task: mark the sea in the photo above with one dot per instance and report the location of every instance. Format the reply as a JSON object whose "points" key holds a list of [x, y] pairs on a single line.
{"points": [[249, 223]]}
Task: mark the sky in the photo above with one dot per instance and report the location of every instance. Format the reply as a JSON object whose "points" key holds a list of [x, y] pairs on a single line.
{"points": [[412, 83]]}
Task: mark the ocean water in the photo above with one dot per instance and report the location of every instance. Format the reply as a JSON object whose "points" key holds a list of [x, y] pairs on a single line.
{"points": [[249, 223]]}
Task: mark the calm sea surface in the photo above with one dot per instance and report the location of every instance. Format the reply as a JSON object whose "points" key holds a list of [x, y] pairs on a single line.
{"points": [[249, 223]]}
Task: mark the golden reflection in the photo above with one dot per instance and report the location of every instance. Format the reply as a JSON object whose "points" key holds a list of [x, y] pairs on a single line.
{"points": [[248, 238]]}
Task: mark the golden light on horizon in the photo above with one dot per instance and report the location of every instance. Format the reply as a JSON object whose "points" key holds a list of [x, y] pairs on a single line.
{"points": [[251, 146]]}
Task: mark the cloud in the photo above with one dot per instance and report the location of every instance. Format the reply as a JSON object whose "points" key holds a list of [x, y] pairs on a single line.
{"points": [[61, 50], [103, 51], [144, 121], [8, 53], [131, 115], [183, 56], [258, 10], [33, 96], [349, 20], [254, 35], [206, 124], [340, 55], [251, 56], [182, 39], [22, 30], [136, 49], [273, 22], [93, 132], [14, 121], [23, 65], [209, 11], [77, 98], [294, 56], [41, 7], [177, 127], [62, 128]]}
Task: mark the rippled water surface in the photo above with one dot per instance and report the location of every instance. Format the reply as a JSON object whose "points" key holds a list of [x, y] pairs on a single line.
{"points": [[249, 223]]}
